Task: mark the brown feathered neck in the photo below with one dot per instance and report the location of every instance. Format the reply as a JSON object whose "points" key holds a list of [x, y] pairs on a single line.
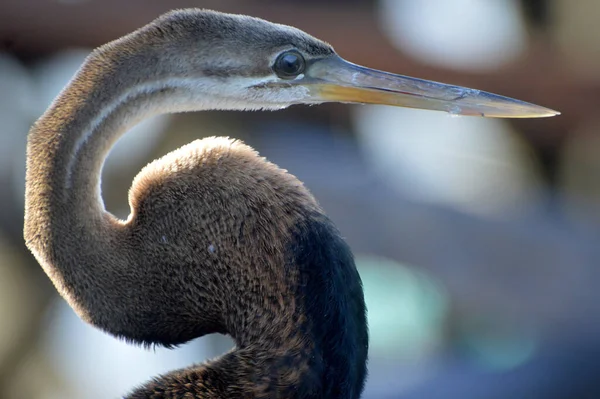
{"points": [[218, 239]]}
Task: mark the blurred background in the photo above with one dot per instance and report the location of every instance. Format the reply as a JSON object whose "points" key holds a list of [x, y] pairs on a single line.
{"points": [[477, 240]]}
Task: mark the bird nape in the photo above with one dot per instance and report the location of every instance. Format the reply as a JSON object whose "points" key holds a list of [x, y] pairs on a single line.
{"points": [[218, 239]]}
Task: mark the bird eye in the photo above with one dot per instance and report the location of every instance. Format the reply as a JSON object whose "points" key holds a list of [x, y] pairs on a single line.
{"points": [[289, 65]]}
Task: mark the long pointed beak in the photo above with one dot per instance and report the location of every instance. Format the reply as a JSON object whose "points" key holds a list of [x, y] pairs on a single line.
{"points": [[333, 79]]}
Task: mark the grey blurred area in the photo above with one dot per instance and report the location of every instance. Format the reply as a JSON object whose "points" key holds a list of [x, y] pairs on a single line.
{"points": [[477, 240]]}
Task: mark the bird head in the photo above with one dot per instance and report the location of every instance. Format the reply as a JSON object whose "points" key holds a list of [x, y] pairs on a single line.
{"points": [[248, 63]]}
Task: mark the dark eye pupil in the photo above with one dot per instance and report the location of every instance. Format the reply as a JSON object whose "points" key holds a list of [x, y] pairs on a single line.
{"points": [[289, 65]]}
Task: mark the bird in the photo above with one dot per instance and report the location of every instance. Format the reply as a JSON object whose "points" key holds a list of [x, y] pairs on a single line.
{"points": [[218, 239]]}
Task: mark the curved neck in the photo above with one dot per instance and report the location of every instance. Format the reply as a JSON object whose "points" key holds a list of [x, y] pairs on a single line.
{"points": [[71, 141], [66, 225], [319, 351]]}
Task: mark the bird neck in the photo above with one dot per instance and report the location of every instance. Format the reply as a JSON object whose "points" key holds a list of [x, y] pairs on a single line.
{"points": [[317, 351], [101, 103], [83, 248]]}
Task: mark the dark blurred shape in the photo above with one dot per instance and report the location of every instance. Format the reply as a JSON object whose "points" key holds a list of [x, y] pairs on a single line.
{"points": [[537, 13], [564, 370], [335, 3]]}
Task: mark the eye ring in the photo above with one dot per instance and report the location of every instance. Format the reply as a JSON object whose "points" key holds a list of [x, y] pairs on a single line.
{"points": [[289, 64]]}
